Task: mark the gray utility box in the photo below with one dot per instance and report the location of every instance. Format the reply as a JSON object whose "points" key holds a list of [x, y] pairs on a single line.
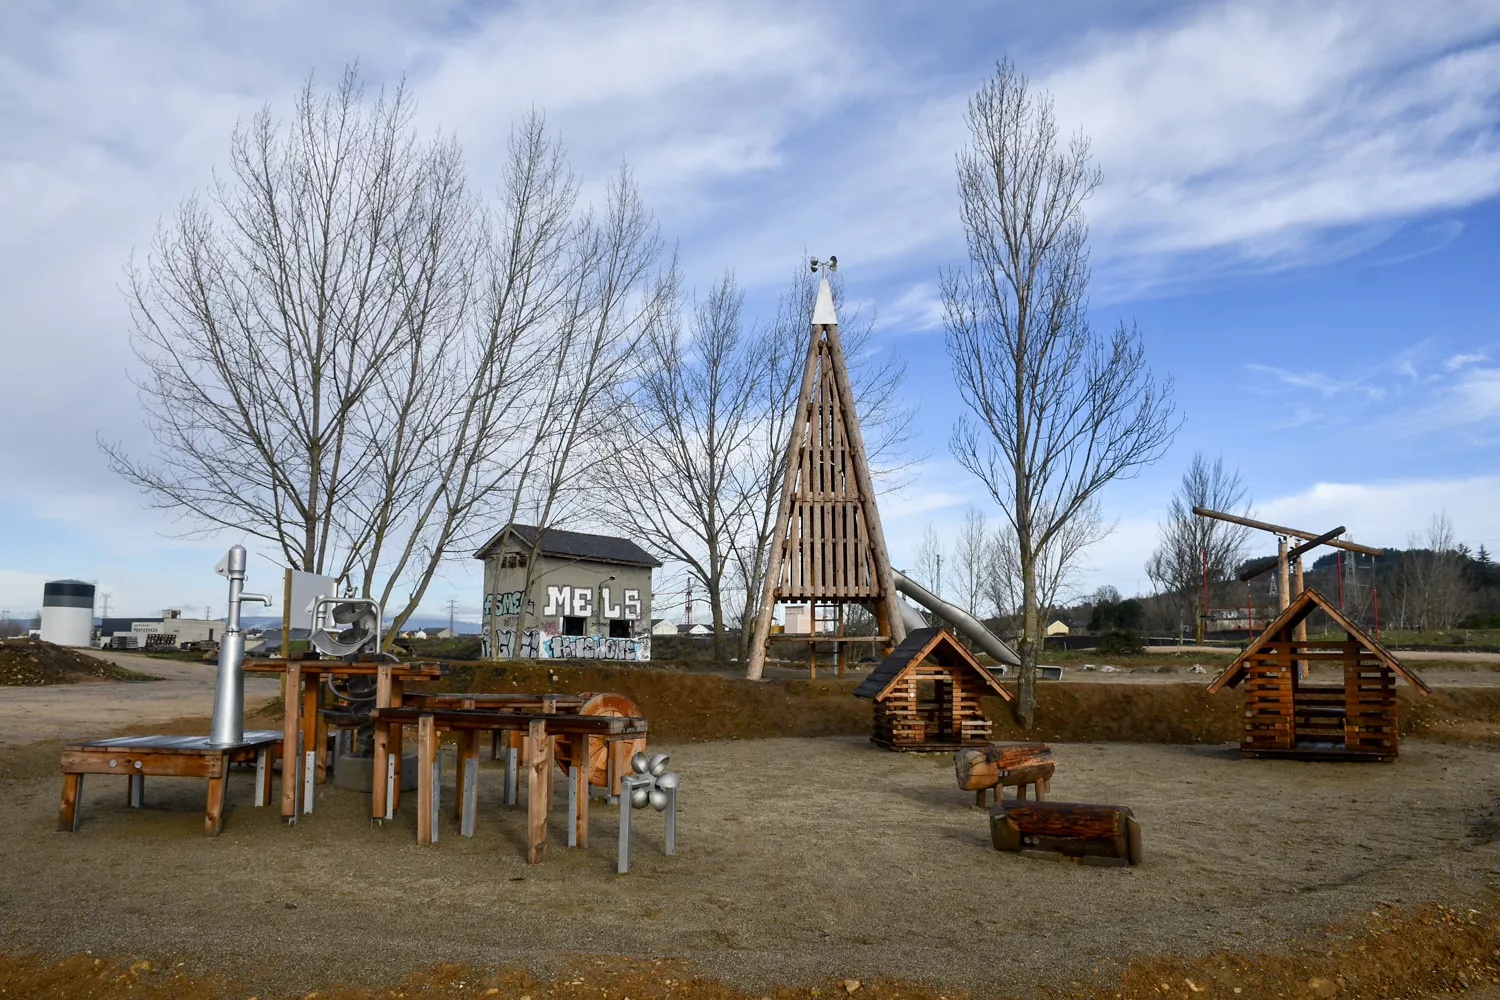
{"points": [[353, 773]]}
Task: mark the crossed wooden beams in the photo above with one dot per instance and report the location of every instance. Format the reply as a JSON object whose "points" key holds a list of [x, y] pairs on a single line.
{"points": [[1288, 560]]}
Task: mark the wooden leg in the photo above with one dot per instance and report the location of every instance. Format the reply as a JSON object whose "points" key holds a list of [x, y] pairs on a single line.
{"points": [[426, 768], [379, 773], [397, 744], [578, 764], [312, 753], [213, 817], [538, 764], [466, 793], [618, 766], [290, 727], [67, 816], [1043, 786], [1020, 792], [320, 741]]}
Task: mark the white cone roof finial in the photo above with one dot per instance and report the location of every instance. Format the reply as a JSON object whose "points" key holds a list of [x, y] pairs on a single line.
{"points": [[823, 310]]}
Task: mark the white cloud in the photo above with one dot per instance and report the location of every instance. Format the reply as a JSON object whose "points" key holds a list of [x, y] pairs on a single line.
{"points": [[1458, 361]]}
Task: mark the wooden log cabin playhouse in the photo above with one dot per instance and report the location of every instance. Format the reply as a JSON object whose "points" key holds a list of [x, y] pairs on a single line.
{"points": [[927, 692], [1288, 714]]}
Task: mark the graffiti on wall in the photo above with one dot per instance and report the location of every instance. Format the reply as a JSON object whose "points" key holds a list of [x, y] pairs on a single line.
{"points": [[503, 604], [500, 644], [579, 602]]}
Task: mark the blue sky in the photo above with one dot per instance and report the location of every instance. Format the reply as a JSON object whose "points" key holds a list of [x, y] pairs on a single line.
{"points": [[1299, 209]]}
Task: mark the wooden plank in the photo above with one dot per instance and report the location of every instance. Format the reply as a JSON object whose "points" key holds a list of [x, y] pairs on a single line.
{"points": [[205, 764]]}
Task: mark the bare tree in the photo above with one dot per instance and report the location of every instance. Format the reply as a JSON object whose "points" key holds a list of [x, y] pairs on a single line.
{"points": [[929, 565], [1195, 549], [347, 356], [1056, 565], [971, 558], [693, 412], [1057, 411], [1431, 587]]}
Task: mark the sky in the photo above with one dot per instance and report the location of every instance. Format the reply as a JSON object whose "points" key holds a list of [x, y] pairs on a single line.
{"points": [[1299, 211]]}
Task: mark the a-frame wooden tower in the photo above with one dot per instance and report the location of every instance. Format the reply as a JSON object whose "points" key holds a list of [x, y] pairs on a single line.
{"points": [[828, 547]]}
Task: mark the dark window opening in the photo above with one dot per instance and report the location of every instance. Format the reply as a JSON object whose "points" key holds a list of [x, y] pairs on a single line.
{"points": [[619, 628], [575, 625], [512, 560]]}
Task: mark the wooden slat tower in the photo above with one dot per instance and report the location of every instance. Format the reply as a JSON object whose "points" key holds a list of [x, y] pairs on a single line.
{"points": [[1285, 715], [828, 547]]}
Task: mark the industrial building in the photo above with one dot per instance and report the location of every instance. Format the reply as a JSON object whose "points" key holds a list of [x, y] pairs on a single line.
{"points": [[582, 595]]}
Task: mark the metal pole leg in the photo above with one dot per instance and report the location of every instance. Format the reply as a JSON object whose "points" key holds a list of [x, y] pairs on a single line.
{"points": [[137, 790], [262, 775], [671, 821], [437, 791], [510, 776], [622, 864], [573, 805], [471, 796], [390, 786], [309, 778]]}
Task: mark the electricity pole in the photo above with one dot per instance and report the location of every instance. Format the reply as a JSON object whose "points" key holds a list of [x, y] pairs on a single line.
{"points": [[452, 610]]}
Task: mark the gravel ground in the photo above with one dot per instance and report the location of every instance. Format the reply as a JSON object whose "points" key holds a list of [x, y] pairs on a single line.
{"points": [[800, 859]]}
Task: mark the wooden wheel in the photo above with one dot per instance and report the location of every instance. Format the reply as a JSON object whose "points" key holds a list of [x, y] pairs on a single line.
{"points": [[602, 703]]}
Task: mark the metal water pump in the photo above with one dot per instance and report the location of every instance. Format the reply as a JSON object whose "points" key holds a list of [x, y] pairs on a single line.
{"points": [[229, 696]]}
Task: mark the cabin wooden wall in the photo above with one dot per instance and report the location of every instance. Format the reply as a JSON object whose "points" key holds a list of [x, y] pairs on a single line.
{"points": [[1285, 715], [948, 713]]}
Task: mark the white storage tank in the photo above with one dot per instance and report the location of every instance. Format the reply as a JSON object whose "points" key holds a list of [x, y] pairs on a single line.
{"points": [[68, 612]]}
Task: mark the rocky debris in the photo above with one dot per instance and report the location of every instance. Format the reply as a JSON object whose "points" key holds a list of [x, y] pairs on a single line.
{"points": [[31, 662]]}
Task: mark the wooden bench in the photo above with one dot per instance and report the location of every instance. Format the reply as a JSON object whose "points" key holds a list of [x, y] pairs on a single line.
{"points": [[539, 729], [1093, 835], [1020, 765], [136, 757]]}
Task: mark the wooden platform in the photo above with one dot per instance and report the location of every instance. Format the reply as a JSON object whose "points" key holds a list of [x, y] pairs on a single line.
{"points": [[137, 757], [539, 729]]}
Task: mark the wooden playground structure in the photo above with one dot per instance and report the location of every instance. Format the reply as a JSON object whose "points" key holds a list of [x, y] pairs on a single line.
{"points": [[926, 694], [828, 548], [1287, 715]]}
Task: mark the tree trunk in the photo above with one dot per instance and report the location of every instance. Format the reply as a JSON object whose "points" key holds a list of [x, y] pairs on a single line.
{"points": [[1031, 632]]}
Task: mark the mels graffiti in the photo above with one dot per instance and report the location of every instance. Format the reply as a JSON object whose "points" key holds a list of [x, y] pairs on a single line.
{"points": [[579, 602]]}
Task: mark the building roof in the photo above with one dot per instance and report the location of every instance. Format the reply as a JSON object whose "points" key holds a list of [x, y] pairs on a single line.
{"points": [[920, 644], [573, 545], [1303, 605]]}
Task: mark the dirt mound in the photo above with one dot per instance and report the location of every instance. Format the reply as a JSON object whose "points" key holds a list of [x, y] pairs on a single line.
{"points": [[31, 662], [687, 706]]}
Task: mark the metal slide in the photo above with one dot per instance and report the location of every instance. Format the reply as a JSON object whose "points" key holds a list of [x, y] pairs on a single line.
{"points": [[955, 616]]}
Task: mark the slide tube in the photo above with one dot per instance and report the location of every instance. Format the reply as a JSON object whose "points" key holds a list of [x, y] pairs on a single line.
{"points": [[961, 621]]}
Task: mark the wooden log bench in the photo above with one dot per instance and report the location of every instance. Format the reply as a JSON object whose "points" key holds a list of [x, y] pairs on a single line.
{"points": [[1090, 834], [137, 757], [1018, 765], [539, 729]]}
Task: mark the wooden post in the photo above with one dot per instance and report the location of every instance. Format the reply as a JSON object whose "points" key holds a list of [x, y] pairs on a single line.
{"points": [[311, 688], [381, 764], [579, 764], [538, 763], [1300, 635], [1283, 597], [291, 758], [213, 816], [427, 750], [67, 816], [286, 626]]}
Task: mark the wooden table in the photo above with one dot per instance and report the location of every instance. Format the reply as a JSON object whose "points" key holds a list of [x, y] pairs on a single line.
{"points": [[135, 757], [539, 728], [305, 731]]}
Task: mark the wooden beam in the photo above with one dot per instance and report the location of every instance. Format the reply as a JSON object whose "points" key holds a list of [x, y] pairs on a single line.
{"points": [[1283, 530]]}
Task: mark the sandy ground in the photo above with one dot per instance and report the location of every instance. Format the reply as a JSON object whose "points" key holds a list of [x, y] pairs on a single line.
{"points": [[102, 708], [799, 859]]}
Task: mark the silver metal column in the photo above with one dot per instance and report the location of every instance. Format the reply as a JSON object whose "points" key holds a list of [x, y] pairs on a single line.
{"points": [[510, 776], [437, 793], [137, 790], [262, 775], [469, 767], [229, 694]]}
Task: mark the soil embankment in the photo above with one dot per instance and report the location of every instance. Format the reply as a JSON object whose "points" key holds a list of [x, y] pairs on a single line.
{"points": [[34, 663]]}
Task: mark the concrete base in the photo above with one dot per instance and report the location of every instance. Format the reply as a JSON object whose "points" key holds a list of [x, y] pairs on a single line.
{"points": [[353, 773]]}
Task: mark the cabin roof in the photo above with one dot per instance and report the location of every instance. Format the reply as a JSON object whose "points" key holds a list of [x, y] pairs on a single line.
{"points": [[1304, 604], [920, 644]]}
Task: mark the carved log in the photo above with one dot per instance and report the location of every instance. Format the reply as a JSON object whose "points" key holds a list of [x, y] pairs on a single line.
{"points": [[1001, 764], [1099, 835]]}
